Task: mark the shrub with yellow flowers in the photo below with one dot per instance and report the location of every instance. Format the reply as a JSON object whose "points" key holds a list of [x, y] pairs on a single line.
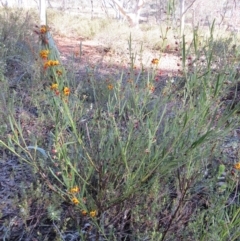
{"points": [[51, 65]]}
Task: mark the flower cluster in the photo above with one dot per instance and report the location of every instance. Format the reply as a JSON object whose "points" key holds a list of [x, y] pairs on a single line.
{"points": [[44, 53], [58, 72], [92, 214], [50, 63], [74, 191], [66, 90]]}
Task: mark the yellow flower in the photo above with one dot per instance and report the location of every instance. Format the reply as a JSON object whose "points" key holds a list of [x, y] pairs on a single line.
{"points": [[74, 190], [43, 29], [237, 166], [54, 86], [46, 64], [75, 200], [55, 62], [155, 61], [66, 91], [84, 212], [44, 54], [110, 86], [93, 213], [50, 63]]}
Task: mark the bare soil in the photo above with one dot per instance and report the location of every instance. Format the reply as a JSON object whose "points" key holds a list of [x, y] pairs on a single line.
{"points": [[94, 53]]}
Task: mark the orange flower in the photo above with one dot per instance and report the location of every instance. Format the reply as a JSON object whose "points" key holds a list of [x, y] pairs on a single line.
{"points": [[50, 63], [155, 61], [66, 91], [237, 166], [46, 65], [54, 86], [110, 86], [55, 62], [84, 212], [44, 53], [43, 29], [93, 213], [75, 200], [74, 190]]}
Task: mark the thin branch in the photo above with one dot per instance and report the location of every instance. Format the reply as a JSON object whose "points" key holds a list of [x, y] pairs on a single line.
{"points": [[89, 139], [189, 7], [123, 11]]}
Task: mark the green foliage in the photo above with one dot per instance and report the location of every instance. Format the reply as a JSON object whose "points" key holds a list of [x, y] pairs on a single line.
{"points": [[122, 154]]}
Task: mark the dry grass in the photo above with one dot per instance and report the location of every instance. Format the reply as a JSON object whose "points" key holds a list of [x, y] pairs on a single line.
{"points": [[74, 25]]}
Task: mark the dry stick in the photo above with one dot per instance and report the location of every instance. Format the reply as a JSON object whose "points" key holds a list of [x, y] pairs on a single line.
{"points": [[190, 5], [235, 195], [57, 229], [91, 9], [88, 135], [175, 213]]}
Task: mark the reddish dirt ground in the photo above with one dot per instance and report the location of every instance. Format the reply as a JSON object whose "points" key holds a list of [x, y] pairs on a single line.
{"points": [[90, 52]]}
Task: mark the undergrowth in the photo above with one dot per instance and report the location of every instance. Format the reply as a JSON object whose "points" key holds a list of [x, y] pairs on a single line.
{"points": [[122, 159]]}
